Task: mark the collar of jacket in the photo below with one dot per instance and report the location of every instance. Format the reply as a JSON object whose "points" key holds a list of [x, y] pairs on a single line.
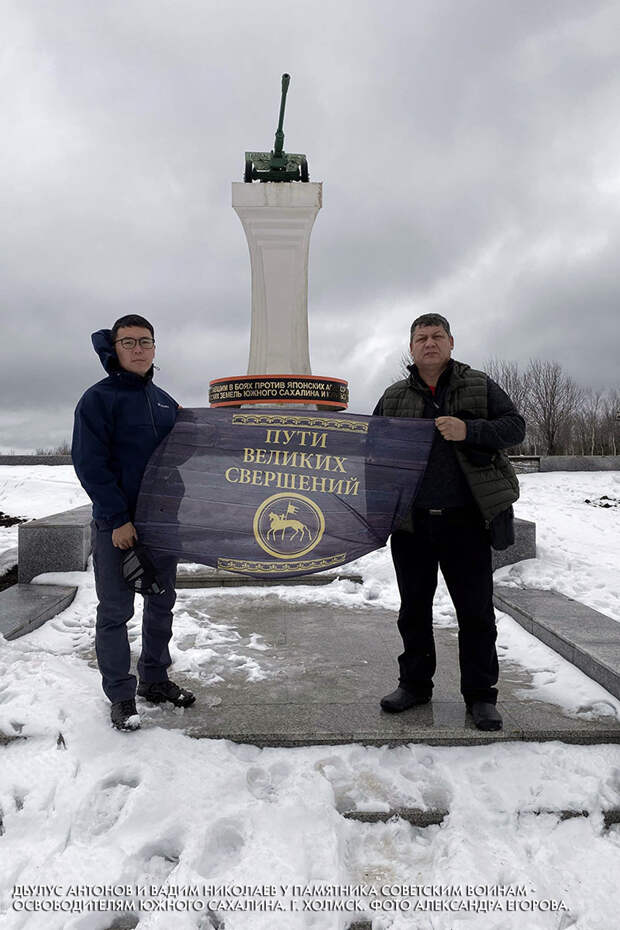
{"points": [[452, 376], [449, 376], [130, 379]]}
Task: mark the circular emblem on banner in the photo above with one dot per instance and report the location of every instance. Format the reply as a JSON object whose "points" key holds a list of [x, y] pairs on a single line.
{"points": [[288, 525]]}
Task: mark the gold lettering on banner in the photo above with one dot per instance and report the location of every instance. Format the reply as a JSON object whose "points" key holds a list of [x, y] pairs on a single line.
{"points": [[279, 568], [314, 461], [294, 482]]}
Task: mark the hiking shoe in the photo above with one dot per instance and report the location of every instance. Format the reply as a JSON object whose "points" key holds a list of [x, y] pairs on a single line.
{"points": [[486, 716], [124, 715], [402, 700], [159, 691]]}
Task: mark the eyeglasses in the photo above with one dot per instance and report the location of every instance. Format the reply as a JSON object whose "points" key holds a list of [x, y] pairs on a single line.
{"points": [[129, 343]]}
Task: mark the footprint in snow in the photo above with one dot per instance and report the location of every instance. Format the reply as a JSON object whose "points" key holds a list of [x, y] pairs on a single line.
{"points": [[103, 807], [222, 848], [265, 783], [161, 858]]}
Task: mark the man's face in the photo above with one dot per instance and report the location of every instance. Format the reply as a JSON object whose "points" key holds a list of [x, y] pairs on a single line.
{"points": [[138, 358], [431, 345]]}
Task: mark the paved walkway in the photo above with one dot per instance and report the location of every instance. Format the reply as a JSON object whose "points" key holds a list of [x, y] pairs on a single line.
{"points": [[325, 670]]}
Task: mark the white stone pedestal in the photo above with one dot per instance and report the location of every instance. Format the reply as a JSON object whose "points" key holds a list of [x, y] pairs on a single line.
{"points": [[278, 220]]}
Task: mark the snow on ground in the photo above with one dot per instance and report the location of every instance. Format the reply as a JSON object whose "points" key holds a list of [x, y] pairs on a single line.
{"points": [[97, 807], [83, 804], [576, 543], [34, 491]]}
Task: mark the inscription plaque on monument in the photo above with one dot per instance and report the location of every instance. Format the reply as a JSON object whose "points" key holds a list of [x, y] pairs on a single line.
{"points": [[277, 389]]}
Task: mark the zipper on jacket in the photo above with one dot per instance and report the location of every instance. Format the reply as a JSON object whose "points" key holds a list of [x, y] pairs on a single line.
{"points": [[148, 404]]}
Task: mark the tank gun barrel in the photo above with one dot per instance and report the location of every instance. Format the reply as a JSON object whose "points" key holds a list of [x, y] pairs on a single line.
{"points": [[279, 143]]}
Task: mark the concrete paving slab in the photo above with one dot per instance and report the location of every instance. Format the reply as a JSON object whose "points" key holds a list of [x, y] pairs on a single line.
{"points": [[586, 637], [24, 607], [323, 680]]}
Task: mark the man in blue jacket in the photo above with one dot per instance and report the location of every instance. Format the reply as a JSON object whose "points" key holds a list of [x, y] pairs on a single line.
{"points": [[119, 422]]}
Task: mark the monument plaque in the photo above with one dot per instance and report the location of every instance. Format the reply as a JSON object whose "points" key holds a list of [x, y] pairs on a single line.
{"points": [[277, 205]]}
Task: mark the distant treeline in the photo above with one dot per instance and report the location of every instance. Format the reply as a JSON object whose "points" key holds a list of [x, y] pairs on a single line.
{"points": [[562, 417], [63, 449]]}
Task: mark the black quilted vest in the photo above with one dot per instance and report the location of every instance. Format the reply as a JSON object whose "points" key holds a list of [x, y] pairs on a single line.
{"points": [[494, 486]]}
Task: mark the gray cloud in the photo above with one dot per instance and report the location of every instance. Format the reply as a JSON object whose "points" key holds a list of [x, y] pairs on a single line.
{"points": [[468, 151]]}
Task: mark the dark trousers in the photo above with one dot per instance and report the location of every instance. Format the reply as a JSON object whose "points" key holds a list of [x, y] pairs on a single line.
{"points": [[458, 543], [115, 609]]}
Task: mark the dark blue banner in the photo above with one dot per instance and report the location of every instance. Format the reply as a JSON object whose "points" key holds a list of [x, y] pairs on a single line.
{"points": [[278, 494]]}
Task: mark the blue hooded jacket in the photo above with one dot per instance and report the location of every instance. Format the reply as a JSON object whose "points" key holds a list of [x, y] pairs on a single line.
{"points": [[118, 424]]}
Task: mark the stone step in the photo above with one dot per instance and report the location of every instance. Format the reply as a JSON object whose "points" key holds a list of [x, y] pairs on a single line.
{"points": [[426, 818], [413, 815], [57, 543], [587, 638], [24, 607]]}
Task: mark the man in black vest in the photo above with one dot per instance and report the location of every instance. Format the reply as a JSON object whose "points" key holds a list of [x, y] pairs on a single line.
{"points": [[464, 504]]}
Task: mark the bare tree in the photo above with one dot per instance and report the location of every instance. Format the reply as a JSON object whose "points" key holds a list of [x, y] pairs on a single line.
{"points": [[512, 380], [610, 422], [587, 426], [554, 399]]}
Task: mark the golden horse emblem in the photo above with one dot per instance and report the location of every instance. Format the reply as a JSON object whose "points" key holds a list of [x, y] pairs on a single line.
{"points": [[288, 525]]}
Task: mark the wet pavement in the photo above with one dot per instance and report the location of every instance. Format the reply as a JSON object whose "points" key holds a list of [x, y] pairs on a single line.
{"points": [[319, 672]]}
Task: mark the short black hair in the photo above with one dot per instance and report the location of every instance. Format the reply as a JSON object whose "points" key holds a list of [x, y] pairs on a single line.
{"points": [[430, 319], [131, 319]]}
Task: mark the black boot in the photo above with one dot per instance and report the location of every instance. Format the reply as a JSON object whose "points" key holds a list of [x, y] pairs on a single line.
{"points": [[124, 715], [402, 700], [159, 691], [486, 716]]}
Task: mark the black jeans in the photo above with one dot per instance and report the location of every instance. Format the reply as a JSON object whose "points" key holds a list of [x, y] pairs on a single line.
{"points": [[115, 608], [458, 543]]}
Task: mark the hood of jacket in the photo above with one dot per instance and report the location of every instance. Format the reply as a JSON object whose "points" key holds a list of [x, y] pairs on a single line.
{"points": [[104, 347]]}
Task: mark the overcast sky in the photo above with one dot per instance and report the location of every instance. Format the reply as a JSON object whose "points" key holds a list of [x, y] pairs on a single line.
{"points": [[469, 152]]}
